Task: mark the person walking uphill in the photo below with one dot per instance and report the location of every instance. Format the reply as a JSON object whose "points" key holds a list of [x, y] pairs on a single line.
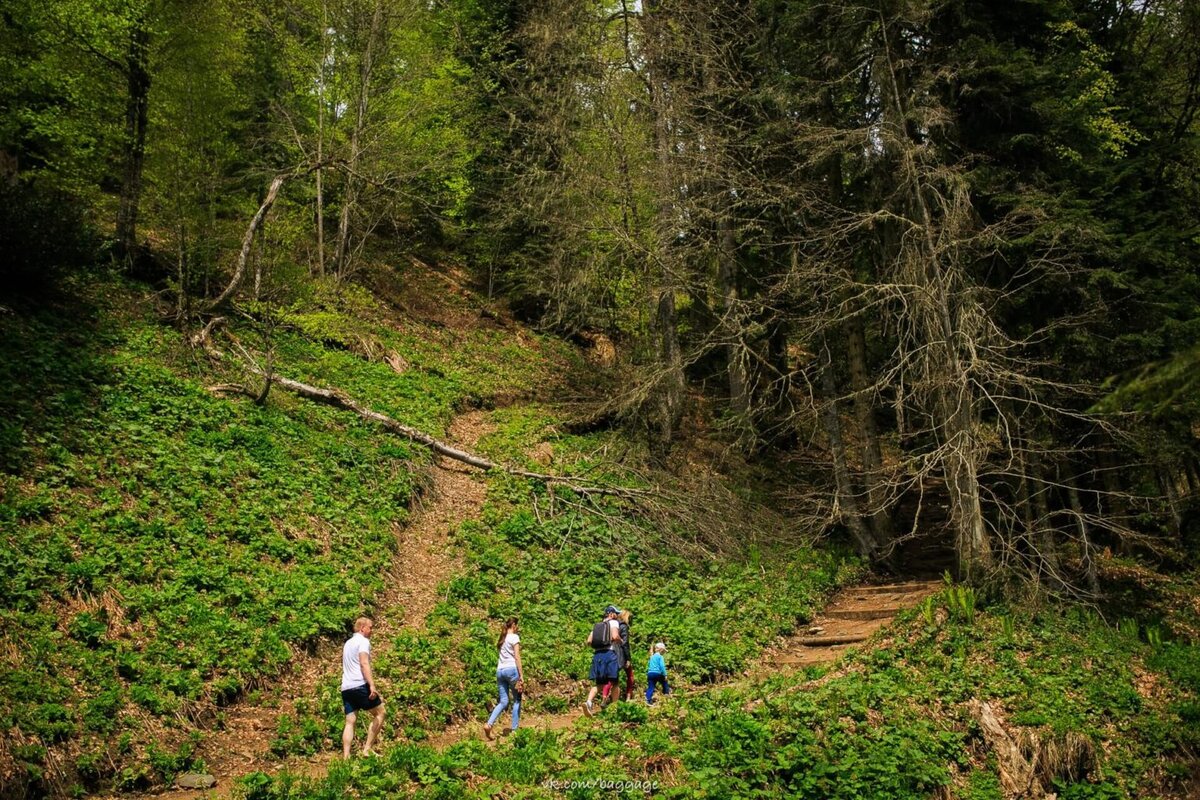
{"points": [[358, 687], [656, 671], [623, 620], [509, 676], [605, 639]]}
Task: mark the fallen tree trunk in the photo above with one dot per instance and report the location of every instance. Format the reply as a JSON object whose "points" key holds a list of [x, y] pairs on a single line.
{"points": [[340, 399], [239, 271], [256, 222], [1018, 774]]}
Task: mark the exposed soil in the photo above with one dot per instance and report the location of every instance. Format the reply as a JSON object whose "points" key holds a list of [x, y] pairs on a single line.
{"points": [[425, 559], [850, 618]]}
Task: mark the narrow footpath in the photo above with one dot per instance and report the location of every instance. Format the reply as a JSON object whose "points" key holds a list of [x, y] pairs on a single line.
{"points": [[852, 616], [425, 560]]}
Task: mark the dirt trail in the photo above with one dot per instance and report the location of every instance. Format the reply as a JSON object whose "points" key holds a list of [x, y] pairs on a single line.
{"points": [[425, 559], [849, 619]]}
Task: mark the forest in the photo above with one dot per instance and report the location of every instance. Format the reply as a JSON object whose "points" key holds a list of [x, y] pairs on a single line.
{"points": [[764, 319]]}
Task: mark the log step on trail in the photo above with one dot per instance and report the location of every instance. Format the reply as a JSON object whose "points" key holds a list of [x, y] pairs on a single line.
{"points": [[862, 613], [895, 588], [852, 616], [829, 641]]}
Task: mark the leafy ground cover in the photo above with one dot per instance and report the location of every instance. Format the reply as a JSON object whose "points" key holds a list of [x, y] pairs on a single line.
{"points": [[556, 571], [894, 721], [162, 549]]}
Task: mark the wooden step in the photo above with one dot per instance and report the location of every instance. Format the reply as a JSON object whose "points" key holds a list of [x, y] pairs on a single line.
{"points": [[861, 613], [826, 641], [896, 588]]}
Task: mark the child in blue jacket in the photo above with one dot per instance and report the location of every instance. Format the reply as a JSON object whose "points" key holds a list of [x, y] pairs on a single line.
{"points": [[656, 671]]}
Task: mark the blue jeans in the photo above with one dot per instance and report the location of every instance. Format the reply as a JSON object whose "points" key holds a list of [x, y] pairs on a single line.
{"points": [[653, 678], [506, 679]]}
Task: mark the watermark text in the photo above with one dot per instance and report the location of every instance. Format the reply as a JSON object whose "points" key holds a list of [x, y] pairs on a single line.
{"points": [[645, 787]]}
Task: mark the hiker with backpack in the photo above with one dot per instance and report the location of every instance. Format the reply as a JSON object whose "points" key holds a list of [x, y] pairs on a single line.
{"points": [[605, 641]]}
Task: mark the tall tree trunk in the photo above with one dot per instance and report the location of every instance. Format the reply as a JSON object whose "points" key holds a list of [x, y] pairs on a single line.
{"points": [[1189, 474], [1024, 501], [778, 427], [321, 80], [669, 378], [871, 454], [727, 278], [1086, 551], [1166, 478], [936, 311], [864, 412], [137, 115], [1047, 547], [670, 385], [181, 300], [962, 479], [864, 540], [1113, 501], [320, 214], [341, 255]]}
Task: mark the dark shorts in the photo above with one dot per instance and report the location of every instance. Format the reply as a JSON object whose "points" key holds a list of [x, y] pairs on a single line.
{"points": [[359, 699], [604, 667]]}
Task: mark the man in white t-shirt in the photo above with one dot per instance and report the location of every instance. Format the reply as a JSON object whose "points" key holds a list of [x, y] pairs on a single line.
{"points": [[358, 687]]}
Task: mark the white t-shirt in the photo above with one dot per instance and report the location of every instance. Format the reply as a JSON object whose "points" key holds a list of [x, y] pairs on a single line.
{"points": [[352, 676], [508, 657]]}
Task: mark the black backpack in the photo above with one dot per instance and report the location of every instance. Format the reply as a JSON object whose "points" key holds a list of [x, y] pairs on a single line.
{"points": [[601, 636]]}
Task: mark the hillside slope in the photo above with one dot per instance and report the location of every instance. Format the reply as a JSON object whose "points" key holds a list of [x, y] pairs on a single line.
{"points": [[166, 550], [180, 567], [171, 552]]}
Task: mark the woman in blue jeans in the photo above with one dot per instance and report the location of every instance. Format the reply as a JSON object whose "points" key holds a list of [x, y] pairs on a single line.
{"points": [[509, 676]]}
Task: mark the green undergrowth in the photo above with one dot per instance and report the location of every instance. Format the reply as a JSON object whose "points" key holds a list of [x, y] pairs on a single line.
{"points": [[535, 556], [164, 549], [1110, 715], [469, 362]]}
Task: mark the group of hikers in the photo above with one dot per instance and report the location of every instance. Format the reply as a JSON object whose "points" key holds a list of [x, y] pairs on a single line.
{"points": [[612, 655]]}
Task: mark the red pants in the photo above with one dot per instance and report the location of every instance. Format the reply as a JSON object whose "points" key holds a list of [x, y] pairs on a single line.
{"points": [[629, 684]]}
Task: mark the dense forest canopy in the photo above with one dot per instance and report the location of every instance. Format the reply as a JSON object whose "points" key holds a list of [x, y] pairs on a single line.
{"points": [[934, 236]]}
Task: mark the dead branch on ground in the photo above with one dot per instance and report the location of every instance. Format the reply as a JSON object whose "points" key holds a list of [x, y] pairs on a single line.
{"points": [[339, 399]]}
